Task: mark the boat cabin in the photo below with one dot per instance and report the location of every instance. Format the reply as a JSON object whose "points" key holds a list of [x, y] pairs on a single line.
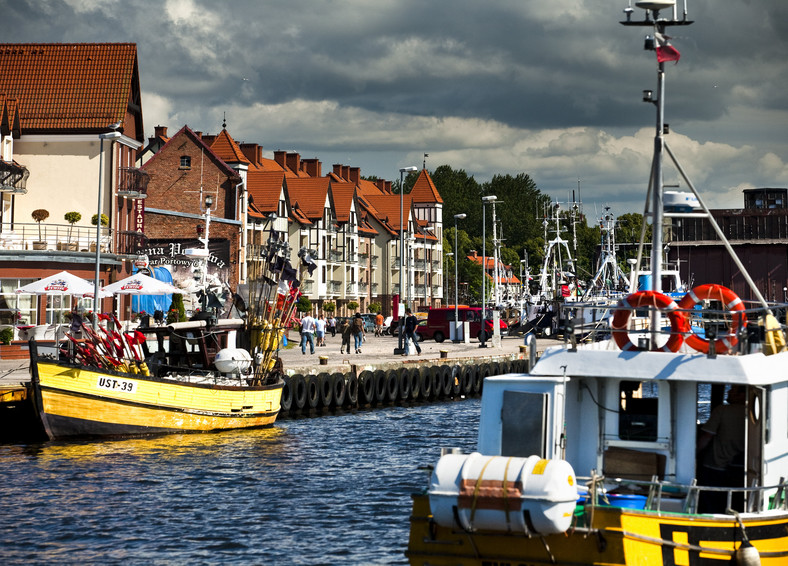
{"points": [[635, 414]]}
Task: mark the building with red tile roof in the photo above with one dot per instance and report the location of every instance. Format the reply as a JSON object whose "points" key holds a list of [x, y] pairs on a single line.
{"points": [[58, 99]]}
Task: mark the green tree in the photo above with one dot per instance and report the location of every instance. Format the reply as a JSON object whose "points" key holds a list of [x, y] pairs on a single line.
{"points": [[329, 307], [304, 304], [177, 311], [375, 307], [352, 305]]}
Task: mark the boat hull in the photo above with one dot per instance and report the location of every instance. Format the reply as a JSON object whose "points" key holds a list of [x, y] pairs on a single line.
{"points": [[613, 536], [76, 401]]}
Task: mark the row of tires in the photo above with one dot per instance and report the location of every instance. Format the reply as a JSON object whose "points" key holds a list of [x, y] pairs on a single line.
{"points": [[304, 393]]}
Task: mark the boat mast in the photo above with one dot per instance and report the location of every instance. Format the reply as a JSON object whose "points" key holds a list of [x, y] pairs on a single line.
{"points": [[659, 43]]}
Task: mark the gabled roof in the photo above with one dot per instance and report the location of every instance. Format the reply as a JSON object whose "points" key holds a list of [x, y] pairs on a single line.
{"points": [[309, 193], [71, 86], [264, 189], [225, 147], [10, 124], [342, 198], [207, 151], [424, 190], [388, 208]]}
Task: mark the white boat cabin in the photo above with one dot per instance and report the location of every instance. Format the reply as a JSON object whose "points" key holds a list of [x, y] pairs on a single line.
{"points": [[634, 414]]}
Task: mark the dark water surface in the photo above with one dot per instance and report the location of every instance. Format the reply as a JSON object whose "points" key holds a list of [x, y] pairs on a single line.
{"points": [[328, 490]]}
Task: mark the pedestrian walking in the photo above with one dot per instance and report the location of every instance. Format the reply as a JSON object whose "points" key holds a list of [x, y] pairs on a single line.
{"points": [[332, 326], [411, 322], [307, 334], [345, 333], [320, 331], [357, 327], [379, 324]]}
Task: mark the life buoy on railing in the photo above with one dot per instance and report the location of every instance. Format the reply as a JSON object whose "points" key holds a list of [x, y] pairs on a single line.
{"points": [[678, 323], [730, 301]]}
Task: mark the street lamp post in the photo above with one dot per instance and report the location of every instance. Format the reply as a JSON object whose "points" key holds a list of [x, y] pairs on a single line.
{"points": [[113, 135], [456, 260], [485, 200], [400, 349]]}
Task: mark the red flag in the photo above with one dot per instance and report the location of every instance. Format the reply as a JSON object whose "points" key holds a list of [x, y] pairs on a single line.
{"points": [[665, 51]]}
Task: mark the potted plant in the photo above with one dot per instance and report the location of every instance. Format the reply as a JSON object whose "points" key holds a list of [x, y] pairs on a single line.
{"points": [[352, 305], [104, 222], [72, 218], [6, 335], [39, 215]]}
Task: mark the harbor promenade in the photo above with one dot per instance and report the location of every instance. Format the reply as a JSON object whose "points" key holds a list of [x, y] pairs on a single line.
{"points": [[375, 352]]}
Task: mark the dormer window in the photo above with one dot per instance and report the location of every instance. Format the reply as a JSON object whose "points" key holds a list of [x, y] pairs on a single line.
{"points": [[186, 162]]}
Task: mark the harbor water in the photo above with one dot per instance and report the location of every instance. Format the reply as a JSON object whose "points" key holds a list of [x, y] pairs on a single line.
{"points": [[329, 490]]}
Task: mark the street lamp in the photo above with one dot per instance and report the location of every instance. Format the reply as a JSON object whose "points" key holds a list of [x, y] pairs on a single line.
{"points": [[111, 136], [400, 349], [485, 200], [456, 260]]}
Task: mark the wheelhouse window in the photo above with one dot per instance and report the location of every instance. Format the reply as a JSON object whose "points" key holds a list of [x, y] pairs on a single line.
{"points": [[638, 411]]}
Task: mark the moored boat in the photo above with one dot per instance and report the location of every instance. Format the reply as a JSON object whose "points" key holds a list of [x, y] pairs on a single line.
{"points": [[597, 455], [199, 382]]}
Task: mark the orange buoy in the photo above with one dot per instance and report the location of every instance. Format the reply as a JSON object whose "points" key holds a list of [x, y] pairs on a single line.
{"points": [[678, 323], [730, 301]]}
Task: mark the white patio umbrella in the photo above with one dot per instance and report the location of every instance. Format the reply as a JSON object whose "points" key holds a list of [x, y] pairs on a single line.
{"points": [[63, 283], [140, 284]]}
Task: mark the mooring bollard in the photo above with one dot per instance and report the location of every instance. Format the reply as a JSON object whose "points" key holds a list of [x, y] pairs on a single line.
{"points": [[444, 354], [323, 360]]}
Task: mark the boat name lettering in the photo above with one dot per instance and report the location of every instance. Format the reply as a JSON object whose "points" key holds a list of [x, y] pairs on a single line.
{"points": [[113, 384]]}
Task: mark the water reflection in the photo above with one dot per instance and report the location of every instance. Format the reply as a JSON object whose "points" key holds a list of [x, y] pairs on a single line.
{"points": [[328, 490]]}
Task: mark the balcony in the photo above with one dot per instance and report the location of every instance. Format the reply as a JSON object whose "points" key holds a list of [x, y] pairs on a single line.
{"points": [[334, 287], [419, 264], [13, 177], [351, 289], [306, 287], [53, 237], [334, 256], [374, 261], [133, 183], [436, 265], [363, 288], [375, 287]]}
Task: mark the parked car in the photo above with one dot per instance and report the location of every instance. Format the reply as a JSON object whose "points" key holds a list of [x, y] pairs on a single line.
{"points": [[369, 322], [439, 322]]}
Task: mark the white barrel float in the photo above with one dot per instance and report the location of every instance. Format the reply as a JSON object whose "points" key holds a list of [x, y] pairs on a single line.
{"points": [[232, 360], [498, 493]]}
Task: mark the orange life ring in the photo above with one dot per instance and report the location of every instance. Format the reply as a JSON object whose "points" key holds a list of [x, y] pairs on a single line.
{"points": [[731, 302], [678, 322]]}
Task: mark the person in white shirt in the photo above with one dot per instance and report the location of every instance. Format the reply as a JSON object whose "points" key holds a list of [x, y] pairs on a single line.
{"points": [[307, 334], [320, 331]]}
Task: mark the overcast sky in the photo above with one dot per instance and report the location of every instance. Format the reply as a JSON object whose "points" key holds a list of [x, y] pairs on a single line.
{"points": [[551, 88]]}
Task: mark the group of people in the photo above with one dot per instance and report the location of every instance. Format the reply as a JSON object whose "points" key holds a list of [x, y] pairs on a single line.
{"points": [[313, 331]]}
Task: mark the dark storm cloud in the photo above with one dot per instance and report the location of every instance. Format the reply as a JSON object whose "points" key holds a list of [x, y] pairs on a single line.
{"points": [[550, 87]]}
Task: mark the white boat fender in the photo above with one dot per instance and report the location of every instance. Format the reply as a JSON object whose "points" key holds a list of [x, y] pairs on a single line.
{"points": [[233, 360], [527, 495], [747, 555]]}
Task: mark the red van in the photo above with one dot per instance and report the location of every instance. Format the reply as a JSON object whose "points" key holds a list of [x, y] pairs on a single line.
{"points": [[439, 321]]}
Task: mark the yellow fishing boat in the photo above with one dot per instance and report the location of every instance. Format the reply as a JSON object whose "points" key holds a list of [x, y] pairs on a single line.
{"points": [[660, 485], [199, 382]]}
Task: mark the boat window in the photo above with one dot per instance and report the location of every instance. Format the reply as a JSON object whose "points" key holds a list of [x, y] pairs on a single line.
{"points": [[524, 424], [638, 410]]}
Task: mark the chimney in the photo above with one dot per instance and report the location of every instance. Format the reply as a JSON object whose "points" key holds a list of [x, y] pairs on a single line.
{"points": [[294, 162], [252, 152], [313, 167], [355, 175], [198, 134], [338, 170], [279, 157], [160, 131], [345, 172], [473, 254]]}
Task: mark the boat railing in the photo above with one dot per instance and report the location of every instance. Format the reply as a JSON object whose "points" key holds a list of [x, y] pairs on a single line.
{"points": [[591, 322], [670, 497]]}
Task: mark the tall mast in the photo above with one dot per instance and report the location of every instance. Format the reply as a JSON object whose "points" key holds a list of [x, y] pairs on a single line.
{"points": [[665, 52]]}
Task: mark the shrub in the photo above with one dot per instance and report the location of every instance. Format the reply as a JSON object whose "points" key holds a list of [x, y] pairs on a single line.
{"points": [[176, 312], [375, 307], [39, 215], [6, 335]]}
